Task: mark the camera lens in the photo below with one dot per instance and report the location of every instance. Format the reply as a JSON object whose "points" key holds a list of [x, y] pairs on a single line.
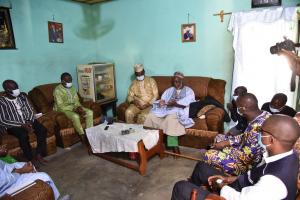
{"points": [[274, 49]]}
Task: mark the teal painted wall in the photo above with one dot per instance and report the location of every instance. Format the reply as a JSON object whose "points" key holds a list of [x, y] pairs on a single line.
{"points": [[121, 31], [148, 32], [36, 61]]}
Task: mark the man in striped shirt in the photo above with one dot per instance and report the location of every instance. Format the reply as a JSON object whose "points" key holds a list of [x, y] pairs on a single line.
{"points": [[17, 117]]}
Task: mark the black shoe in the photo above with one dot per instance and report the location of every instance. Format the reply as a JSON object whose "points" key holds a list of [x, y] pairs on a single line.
{"points": [[177, 151]]}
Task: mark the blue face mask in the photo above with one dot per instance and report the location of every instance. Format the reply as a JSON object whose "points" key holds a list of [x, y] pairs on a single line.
{"points": [[260, 141]]}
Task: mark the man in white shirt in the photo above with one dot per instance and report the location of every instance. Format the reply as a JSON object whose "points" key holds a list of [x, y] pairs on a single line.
{"points": [[274, 178], [171, 112], [20, 174]]}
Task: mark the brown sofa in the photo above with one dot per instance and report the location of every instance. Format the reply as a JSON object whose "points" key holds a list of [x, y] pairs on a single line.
{"points": [[204, 130], [13, 145], [42, 98], [40, 190]]}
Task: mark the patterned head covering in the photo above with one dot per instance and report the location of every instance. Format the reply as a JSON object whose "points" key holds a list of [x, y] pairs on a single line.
{"points": [[138, 67], [179, 74]]}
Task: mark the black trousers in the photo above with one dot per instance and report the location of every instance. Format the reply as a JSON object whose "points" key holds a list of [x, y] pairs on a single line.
{"points": [[22, 135], [182, 190]]}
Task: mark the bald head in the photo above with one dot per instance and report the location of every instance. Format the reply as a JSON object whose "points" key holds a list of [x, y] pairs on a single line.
{"points": [[249, 101], [284, 128]]}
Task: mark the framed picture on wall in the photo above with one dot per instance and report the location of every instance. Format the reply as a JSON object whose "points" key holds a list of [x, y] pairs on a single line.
{"points": [[265, 3], [55, 31], [188, 32], [7, 39]]}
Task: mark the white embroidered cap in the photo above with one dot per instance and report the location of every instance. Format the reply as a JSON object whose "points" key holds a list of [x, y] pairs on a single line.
{"points": [[138, 67], [179, 74]]}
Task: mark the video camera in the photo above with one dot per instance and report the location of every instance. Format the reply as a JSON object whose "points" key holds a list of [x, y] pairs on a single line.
{"points": [[287, 44]]}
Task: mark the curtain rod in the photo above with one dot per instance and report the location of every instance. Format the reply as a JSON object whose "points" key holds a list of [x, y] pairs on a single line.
{"points": [[222, 13]]}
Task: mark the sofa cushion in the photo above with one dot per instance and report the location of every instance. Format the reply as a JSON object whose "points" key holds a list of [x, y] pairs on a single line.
{"points": [[42, 97], [200, 89], [216, 89], [47, 91], [163, 83]]}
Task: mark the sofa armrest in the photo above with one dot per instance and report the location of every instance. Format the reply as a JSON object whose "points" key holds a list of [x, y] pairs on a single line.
{"points": [[38, 190], [214, 119], [48, 123], [121, 111]]}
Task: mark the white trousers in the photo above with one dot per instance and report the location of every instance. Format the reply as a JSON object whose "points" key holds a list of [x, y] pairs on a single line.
{"points": [[169, 124]]}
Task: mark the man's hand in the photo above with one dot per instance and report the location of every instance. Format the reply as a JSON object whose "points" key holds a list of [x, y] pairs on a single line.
{"points": [[80, 111], [27, 126], [162, 103], [230, 133], [225, 180], [213, 196], [293, 59], [136, 103], [144, 106], [229, 106], [27, 168], [221, 145], [3, 150], [173, 103]]}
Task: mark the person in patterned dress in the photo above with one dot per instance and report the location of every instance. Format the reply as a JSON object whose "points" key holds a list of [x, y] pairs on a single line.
{"points": [[237, 154]]}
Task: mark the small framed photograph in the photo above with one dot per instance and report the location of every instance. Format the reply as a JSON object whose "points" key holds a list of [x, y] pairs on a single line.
{"points": [[265, 3], [7, 39], [188, 32], [55, 31]]}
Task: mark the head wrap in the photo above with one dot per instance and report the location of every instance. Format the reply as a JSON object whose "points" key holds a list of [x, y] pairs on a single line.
{"points": [[138, 67]]}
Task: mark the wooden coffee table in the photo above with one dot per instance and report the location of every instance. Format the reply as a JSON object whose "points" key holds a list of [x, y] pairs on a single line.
{"points": [[144, 154]]}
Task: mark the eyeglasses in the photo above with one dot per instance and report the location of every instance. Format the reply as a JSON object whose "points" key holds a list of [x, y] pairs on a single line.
{"points": [[269, 133]]}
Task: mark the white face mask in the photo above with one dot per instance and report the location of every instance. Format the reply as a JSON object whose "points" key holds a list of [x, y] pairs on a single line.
{"points": [[274, 110], [15, 92], [238, 112], [140, 78], [234, 97], [68, 85]]}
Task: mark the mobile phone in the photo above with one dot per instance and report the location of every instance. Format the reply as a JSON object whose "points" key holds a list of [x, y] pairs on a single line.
{"points": [[106, 127]]}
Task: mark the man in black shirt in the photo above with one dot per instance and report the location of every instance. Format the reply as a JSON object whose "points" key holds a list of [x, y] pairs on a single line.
{"points": [[17, 117], [277, 106], [232, 108]]}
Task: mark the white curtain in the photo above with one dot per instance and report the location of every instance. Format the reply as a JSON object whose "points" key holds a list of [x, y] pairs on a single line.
{"points": [[255, 67]]}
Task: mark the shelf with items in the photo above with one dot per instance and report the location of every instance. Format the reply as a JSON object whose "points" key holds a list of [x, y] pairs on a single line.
{"points": [[100, 82]]}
